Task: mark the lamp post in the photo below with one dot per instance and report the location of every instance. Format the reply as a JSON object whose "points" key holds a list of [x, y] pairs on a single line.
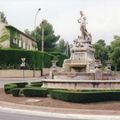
{"points": [[35, 35], [36, 17], [42, 42], [42, 45]]}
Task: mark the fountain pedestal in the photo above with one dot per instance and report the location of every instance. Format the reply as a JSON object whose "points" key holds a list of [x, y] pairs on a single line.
{"points": [[81, 70]]}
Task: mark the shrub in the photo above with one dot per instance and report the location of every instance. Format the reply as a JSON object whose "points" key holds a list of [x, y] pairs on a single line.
{"points": [[84, 97], [36, 84], [51, 89], [21, 85], [35, 92], [11, 59], [9, 87], [16, 92]]}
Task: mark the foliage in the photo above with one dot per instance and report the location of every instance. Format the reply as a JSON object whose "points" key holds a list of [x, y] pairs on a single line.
{"points": [[21, 84], [4, 36], [14, 34], [35, 92], [85, 96], [60, 57], [9, 87], [63, 47], [36, 84], [16, 92], [101, 51], [11, 58], [115, 52], [50, 38]]}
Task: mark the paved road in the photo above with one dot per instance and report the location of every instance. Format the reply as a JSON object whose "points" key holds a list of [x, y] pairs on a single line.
{"points": [[20, 114], [12, 116]]}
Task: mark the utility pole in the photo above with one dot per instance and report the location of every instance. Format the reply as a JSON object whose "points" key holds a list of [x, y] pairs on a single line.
{"points": [[35, 36], [42, 47]]}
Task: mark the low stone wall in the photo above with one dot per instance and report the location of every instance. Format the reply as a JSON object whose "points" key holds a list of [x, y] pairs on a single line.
{"points": [[74, 76], [19, 73], [81, 84], [83, 76]]}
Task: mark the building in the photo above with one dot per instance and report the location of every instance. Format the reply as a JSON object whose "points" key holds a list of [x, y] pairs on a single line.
{"points": [[11, 37]]}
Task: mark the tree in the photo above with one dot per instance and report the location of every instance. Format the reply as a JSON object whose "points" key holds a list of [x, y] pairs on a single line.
{"points": [[115, 52], [101, 51], [27, 32], [67, 49], [50, 38], [63, 47]]}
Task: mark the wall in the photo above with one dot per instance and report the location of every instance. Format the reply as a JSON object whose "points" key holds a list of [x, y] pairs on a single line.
{"points": [[81, 84], [19, 73]]}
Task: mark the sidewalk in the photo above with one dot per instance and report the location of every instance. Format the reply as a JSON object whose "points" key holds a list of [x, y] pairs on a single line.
{"points": [[21, 78]]}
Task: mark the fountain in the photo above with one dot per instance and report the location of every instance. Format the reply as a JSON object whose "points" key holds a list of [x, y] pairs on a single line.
{"points": [[81, 70]]}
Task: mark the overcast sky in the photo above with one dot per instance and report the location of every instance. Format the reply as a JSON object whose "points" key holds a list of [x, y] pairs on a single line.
{"points": [[103, 16]]}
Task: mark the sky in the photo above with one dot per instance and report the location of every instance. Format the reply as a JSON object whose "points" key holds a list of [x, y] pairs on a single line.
{"points": [[103, 16]]}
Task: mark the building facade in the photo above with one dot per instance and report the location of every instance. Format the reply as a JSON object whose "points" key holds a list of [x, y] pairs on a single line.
{"points": [[11, 37]]}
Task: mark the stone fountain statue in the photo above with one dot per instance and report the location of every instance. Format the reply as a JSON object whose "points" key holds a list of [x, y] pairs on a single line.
{"points": [[85, 35], [81, 70], [82, 54], [82, 63]]}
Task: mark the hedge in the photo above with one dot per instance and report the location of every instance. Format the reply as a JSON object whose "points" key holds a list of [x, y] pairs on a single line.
{"points": [[9, 87], [36, 84], [16, 92], [11, 58], [21, 85], [85, 97], [35, 92]]}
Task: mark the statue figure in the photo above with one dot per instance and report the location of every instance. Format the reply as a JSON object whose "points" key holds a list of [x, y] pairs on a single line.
{"points": [[84, 33], [3, 18]]}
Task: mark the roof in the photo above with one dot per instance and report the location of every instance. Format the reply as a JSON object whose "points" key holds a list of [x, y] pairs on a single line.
{"points": [[10, 26]]}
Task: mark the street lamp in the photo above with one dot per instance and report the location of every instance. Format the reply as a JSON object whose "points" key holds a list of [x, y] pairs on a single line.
{"points": [[35, 35], [42, 27], [42, 45], [36, 17], [42, 42]]}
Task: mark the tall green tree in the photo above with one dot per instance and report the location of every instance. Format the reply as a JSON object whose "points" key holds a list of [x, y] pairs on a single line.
{"points": [[50, 38], [101, 51], [67, 49], [115, 52], [63, 47]]}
